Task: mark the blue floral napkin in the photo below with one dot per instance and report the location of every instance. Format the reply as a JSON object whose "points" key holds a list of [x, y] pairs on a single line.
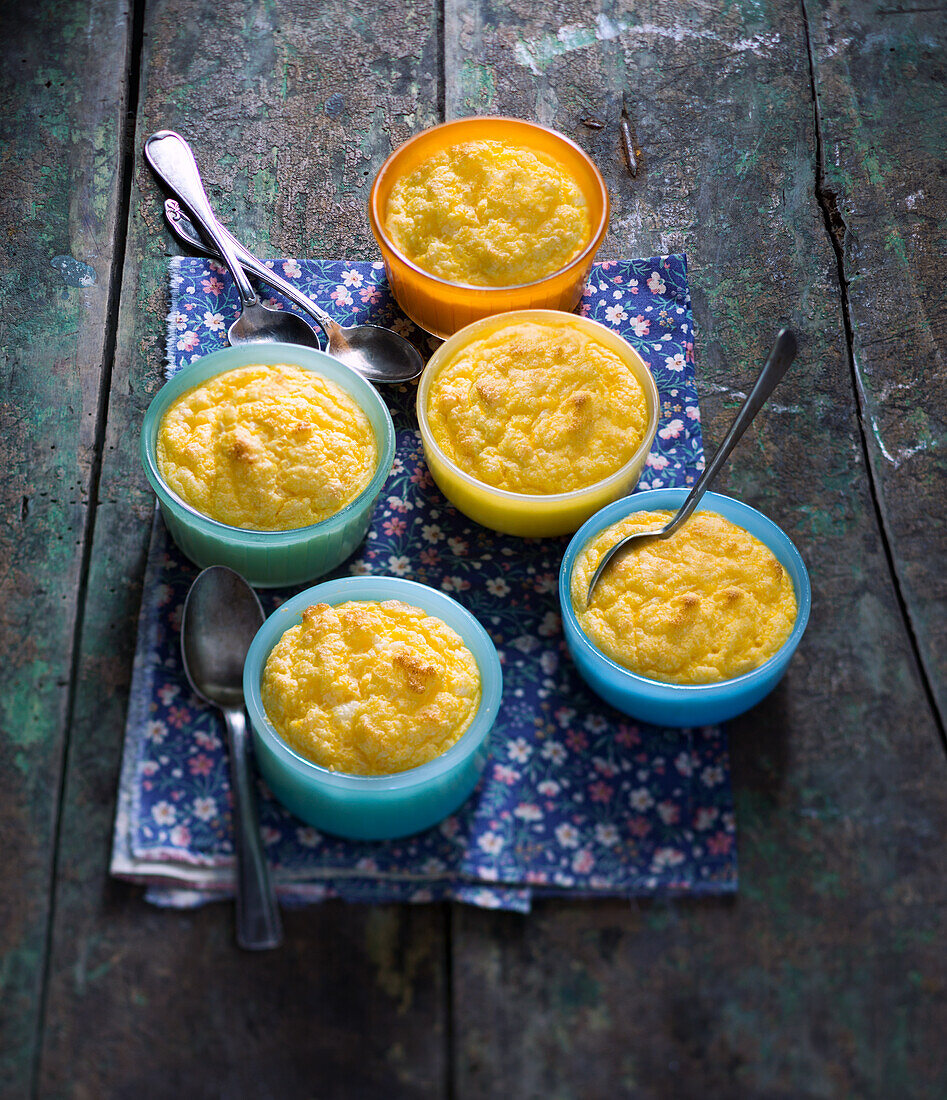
{"points": [[576, 798]]}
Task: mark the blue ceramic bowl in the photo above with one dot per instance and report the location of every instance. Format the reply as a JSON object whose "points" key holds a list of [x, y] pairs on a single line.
{"points": [[681, 704], [269, 558], [374, 807]]}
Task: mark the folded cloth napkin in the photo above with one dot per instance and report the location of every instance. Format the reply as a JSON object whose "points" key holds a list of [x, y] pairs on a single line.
{"points": [[576, 798]]}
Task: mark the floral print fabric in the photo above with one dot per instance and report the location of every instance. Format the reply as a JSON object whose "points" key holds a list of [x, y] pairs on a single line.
{"points": [[576, 798]]}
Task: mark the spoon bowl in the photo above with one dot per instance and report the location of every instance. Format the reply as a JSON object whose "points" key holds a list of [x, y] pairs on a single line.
{"points": [[377, 353], [258, 324], [222, 615]]}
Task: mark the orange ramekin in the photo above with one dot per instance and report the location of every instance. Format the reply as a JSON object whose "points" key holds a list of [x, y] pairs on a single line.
{"points": [[441, 307]]}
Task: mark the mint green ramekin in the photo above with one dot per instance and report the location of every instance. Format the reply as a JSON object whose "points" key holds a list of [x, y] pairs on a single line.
{"points": [[374, 807], [269, 558]]}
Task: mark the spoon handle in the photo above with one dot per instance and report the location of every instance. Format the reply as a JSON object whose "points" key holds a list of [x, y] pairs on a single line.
{"points": [[780, 358], [184, 231], [173, 162], [258, 919]]}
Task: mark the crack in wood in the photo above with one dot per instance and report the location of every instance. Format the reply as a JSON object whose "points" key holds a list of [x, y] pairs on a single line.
{"points": [[836, 229], [126, 178], [828, 200]]}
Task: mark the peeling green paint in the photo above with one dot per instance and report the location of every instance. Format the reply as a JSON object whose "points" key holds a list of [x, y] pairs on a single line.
{"points": [[476, 86], [264, 185], [74, 272], [537, 53]]}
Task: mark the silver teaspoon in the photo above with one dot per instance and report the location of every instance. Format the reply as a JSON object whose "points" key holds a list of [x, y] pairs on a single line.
{"points": [[377, 353], [173, 162], [221, 616], [781, 356]]}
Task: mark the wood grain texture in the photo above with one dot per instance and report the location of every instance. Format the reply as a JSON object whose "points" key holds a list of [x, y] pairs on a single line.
{"points": [[289, 108], [823, 977], [881, 82], [61, 108]]}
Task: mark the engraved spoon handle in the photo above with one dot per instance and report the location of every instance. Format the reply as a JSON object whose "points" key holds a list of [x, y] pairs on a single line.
{"points": [[173, 162], [776, 365], [185, 232], [258, 918]]}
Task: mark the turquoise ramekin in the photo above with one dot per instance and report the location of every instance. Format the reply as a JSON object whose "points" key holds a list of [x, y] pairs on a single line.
{"points": [[682, 704], [373, 807], [269, 558]]}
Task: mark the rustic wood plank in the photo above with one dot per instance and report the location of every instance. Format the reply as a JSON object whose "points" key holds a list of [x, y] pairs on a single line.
{"points": [[824, 976], [61, 115], [291, 108], [880, 81]]}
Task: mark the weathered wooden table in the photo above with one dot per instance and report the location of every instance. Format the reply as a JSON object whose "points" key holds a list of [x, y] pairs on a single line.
{"points": [[796, 151]]}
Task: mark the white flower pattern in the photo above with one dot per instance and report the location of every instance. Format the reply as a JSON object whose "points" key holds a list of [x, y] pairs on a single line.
{"points": [[570, 798]]}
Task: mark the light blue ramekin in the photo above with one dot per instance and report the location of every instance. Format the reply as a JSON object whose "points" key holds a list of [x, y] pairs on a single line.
{"points": [[374, 807], [269, 558], [681, 704]]}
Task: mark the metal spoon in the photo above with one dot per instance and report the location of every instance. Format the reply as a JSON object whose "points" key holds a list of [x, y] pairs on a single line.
{"points": [[377, 353], [782, 354], [173, 162], [221, 616]]}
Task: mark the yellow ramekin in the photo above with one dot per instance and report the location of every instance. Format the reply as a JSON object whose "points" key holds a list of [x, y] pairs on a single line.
{"points": [[533, 515], [443, 308]]}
